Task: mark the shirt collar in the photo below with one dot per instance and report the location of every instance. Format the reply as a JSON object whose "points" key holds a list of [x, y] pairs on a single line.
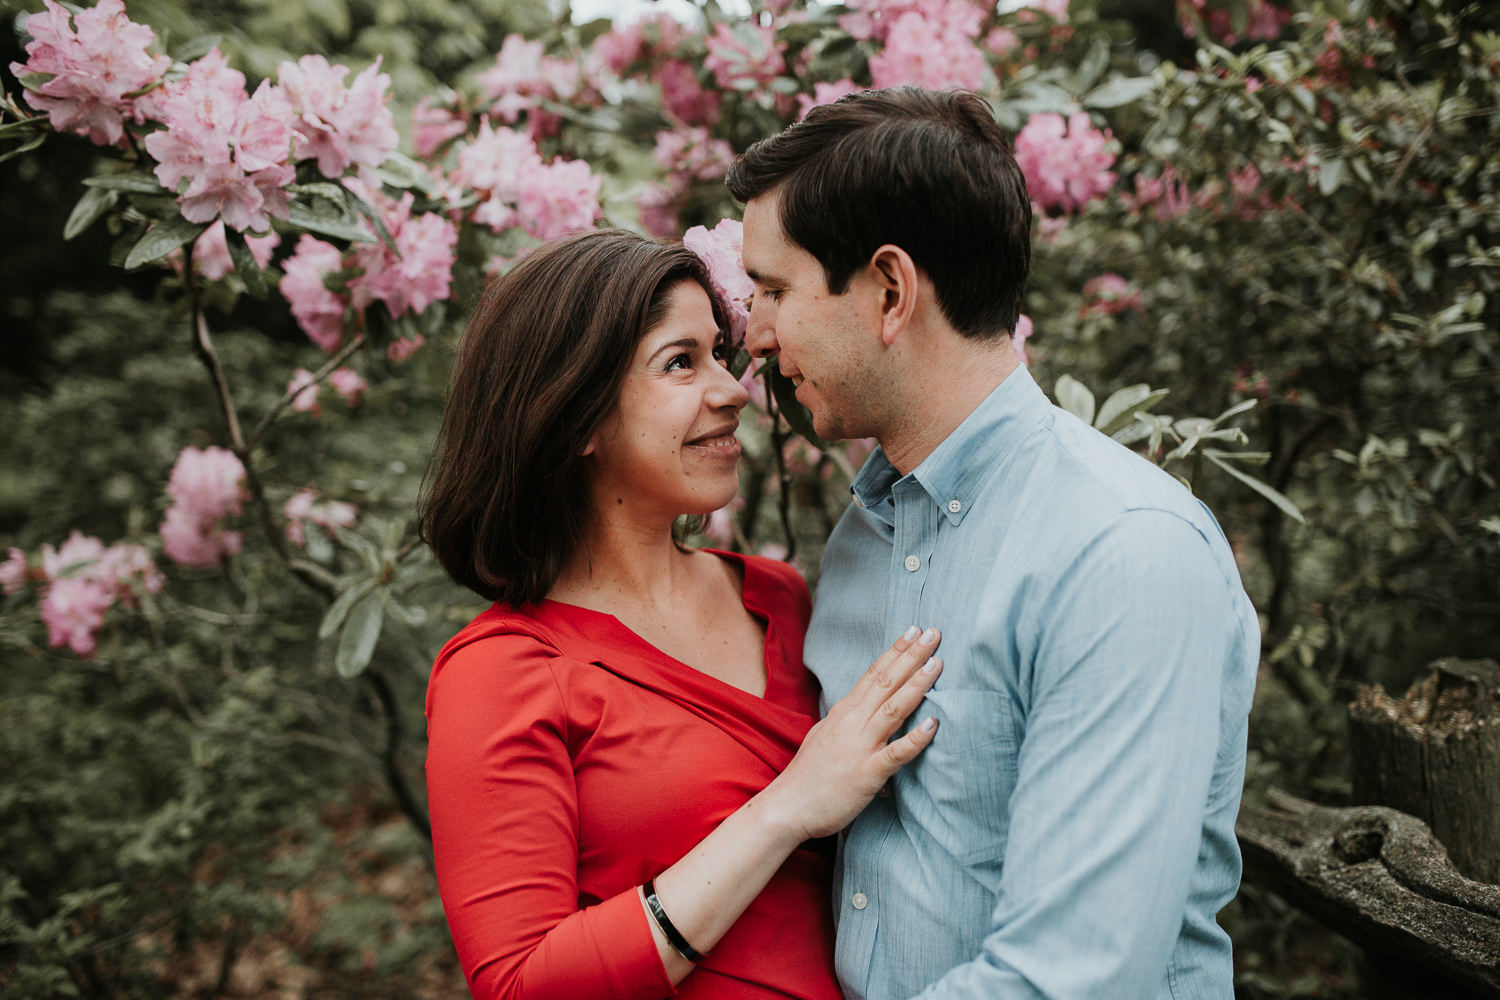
{"points": [[952, 474]]}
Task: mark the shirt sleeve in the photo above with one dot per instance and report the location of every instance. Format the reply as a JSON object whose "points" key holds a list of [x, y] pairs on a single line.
{"points": [[504, 836], [1128, 657]]}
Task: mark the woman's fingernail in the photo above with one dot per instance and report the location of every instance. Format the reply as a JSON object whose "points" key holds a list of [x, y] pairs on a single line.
{"points": [[911, 633], [931, 665], [929, 637], [929, 724]]}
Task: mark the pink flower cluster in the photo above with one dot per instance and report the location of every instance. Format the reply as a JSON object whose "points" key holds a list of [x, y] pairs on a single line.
{"points": [[1167, 195], [304, 387], [652, 36], [524, 74], [519, 188], [94, 69], [683, 97], [1109, 294], [409, 280], [305, 509], [875, 20], [434, 123], [692, 154], [720, 251], [746, 57], [932, 52], [337, 125], [206, 486], [223, 153], [1266, 20], [80, 582], [1066, 164]]}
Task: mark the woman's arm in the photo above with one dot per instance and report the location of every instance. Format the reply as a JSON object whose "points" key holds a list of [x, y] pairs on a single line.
{"points": [[842, 763], [505, 826]]}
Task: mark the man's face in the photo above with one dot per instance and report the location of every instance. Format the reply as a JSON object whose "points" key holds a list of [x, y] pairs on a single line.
{"points": [[828, 345]]}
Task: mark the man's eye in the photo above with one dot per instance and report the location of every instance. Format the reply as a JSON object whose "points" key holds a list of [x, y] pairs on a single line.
{"points": [[721, 354]]}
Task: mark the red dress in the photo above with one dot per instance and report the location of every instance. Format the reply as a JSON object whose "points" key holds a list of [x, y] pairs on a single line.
{"points": [[569, 760]]}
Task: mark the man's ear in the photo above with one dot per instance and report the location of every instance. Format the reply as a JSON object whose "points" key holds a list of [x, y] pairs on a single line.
{"points": [[896, 276]]}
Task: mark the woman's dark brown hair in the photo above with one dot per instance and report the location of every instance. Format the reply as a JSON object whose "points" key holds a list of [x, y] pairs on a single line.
{"points": [[540, 366]]}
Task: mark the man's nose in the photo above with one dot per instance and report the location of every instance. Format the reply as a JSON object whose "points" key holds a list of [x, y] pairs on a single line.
{"points": [[760, 335]]}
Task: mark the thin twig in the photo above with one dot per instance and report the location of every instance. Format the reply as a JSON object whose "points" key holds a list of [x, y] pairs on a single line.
{"points": [[344, 354]]}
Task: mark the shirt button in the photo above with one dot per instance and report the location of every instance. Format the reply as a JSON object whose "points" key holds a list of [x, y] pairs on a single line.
{"points": [[954, 506], [859, 901], [912, 564]]}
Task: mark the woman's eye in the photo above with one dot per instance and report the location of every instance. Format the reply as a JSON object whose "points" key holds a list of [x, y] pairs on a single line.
{"points": [[679, 362]]}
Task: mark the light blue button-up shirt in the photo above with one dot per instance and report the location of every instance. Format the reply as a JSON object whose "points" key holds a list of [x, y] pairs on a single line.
{"points": [[1070, 831]]}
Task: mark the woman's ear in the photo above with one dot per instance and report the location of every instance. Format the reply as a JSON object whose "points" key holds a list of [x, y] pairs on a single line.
{"points": [[896, 275]]}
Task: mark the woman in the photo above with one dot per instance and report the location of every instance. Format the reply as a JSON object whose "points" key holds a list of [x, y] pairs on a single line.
{"points": [[617, 810]]}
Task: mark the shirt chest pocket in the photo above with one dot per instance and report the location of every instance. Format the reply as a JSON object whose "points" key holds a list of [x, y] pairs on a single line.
{"points": [[958, 790]]}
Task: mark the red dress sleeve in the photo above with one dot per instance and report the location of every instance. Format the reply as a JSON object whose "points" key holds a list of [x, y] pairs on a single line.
{"points": [[505, 836]]}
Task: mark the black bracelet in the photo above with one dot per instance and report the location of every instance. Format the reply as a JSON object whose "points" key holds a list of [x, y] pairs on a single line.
{"points": [[674, 936]]}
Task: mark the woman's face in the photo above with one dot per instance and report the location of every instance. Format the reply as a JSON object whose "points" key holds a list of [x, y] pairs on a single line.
{"points": [[669, 447]]}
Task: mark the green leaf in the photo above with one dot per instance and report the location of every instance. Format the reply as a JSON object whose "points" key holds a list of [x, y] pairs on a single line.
{"points": [[94, 203], [361, 631], [161, 239], [245, 265], [339, 609], [362, 545], [321, 208], [196, 48], [791, 408], [1122, 406], [1330, 175], [1093, 64], [1119, 91], [134, 181], [1075, 397], [1281, 501], [25, 147], [401, 171], [368, 211], [1243, 406]]}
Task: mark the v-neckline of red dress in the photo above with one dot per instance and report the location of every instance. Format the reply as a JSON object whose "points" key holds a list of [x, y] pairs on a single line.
{"points": [[552, 612]]}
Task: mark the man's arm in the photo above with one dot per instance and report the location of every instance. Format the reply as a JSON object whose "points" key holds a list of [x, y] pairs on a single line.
{"points": [[1128, 656]]}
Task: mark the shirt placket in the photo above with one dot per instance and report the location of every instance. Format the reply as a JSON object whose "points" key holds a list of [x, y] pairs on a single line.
{"points": [[863, 892]]}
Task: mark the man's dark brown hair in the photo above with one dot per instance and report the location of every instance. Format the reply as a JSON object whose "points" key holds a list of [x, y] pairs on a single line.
{"points": [[541, 363], [928, 171]]}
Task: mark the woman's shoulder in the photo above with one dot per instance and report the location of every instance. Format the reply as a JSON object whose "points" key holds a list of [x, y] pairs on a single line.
{"points": [[501, 649]]}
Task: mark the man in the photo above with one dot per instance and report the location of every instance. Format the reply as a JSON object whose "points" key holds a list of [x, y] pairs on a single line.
{"points": [[1070, 832]]}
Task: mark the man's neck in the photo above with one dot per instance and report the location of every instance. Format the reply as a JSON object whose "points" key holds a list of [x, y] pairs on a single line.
{"points": [[943, 390]]}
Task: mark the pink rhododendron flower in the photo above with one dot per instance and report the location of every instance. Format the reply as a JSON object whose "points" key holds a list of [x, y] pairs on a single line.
{"points": [[338, 126], [657, 206], [1002, 41], [78, 553], [189, 541], [1109, 294], [303, 388], [524, 74], [73, 611], [873, 20], [720, 250], [208, 482], [1019, 336], [93, 68], [691, 154], [1066, 166], [211, 257], [1055, 9], [558, 198], [745, 57], [13, 572], [349, 384], [923, 52], [305, 509], [825, 93], [404, 347], [318, 311], [231, 150], [421, 274], [434, 124], [492, 164], [1168, 195], [683, 97]]}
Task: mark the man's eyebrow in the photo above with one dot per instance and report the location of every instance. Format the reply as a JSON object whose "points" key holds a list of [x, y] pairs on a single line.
{"points": [[758, 276]]}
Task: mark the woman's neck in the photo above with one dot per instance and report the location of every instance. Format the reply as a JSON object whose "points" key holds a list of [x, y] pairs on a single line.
{"points": [[625, 563]]}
